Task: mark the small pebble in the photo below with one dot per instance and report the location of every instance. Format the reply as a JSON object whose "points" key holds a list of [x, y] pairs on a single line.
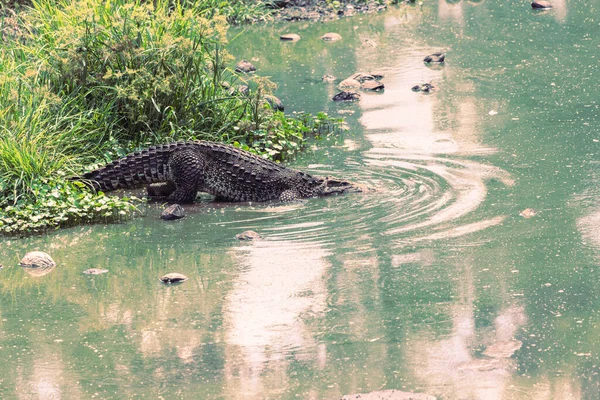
{"points": [[248, 235], [174, 277]]}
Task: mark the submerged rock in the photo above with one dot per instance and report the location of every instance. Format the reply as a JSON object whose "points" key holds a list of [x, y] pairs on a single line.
{"points": [[245, 67], [331, 37], [173, 277], [248, 235], [37, 259], [37, 263], [541, 4], [349, 83], [435, 58], [290, 37], [95, 271], [423, 87], [328, 78], [173, 212], [346, 96]]}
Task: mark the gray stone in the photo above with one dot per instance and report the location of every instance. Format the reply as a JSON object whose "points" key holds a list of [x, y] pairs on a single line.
{"points": [[349, 83], [174, 277], [373, 86], [173, 212], [290, 37], [37, 259], [331, 37], [245, 67], [346, 96]]}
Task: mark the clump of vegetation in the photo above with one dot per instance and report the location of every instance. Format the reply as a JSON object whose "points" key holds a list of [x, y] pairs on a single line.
{"points": [[84, 82]]}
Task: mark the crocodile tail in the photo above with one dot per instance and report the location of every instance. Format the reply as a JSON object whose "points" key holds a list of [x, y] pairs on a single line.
{"points": [[150, 165]]}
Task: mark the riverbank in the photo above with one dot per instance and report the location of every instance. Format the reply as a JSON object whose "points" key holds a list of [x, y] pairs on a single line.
{"points": [[298, 10], [83, 83]]}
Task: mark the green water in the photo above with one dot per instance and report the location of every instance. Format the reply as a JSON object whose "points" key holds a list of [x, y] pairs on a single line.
{"points": [[430, 283]]}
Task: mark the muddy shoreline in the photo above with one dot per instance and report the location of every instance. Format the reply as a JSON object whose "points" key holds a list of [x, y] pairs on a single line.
{"points": [[302, 10]]}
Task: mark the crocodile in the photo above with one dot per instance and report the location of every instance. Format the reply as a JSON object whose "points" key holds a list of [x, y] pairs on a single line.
{"points": [[183, 169]]}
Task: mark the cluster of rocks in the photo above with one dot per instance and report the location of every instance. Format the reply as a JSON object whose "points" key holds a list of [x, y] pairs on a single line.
{"points": [[39, 263], [358, 81], [302, 10]]}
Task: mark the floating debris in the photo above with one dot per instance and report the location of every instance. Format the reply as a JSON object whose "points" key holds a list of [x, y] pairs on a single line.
{"points": [[248, 235], [95, 271], [174, 277]]}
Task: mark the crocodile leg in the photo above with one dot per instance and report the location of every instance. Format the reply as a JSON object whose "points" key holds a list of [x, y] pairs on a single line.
{"points": [[187, 169], [162, 189]]}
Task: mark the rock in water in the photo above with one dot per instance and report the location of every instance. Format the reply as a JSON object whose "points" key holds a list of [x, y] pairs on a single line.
{"points": [[248, 235], [331, 37], [37, 259], [37, 263], [373, 86], [541, 4], [174, 277], [173, 212], [346, 96], [435, 58], [245, 67], [349, 83], [290, 37], [275, 103]]}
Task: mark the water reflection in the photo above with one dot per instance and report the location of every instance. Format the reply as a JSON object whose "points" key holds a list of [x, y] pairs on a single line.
{"points": [[280, 286]]}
